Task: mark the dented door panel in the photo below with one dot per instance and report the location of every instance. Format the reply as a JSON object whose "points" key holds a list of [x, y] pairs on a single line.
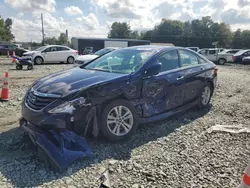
{"points": [[194, 78], [162, 93]]}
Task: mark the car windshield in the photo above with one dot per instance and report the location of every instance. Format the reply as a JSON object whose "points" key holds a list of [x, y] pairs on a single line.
{"points": [[102, 51], [41, 48], [125, 61]]}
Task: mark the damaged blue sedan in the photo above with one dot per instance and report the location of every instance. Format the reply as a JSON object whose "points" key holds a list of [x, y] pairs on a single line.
{"points": [[114, 93]]}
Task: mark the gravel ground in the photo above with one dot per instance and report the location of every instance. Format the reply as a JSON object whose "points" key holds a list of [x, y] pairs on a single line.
{"points": [[177, 152]]}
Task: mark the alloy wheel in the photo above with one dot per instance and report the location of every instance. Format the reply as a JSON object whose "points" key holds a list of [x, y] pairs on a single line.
{"points": [[39, 61], [222, 61], [70, 60], [120, 120], [206, 95]]}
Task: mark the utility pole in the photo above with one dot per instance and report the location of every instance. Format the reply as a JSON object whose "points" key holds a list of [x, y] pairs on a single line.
{"points": [[42, 28]]}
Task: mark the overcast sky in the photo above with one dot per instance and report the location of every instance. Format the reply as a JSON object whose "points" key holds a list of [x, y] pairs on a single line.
{"points": [[92, 18]]}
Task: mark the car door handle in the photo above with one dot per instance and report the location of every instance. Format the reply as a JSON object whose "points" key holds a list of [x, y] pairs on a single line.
{"points": [[202, 68], [180, 77]]}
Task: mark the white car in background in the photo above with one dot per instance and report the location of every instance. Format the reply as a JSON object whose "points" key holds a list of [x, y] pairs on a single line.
{"points": [[226, 56], [210, 53], [82, 59], [52, 54], [196, 49]]}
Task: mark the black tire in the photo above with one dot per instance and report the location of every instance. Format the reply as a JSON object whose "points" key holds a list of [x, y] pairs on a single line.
{"points": [[222, 61], [104, 127], [30, 67], [202, 103], [19, 67], [38, 60], [70, 60]]}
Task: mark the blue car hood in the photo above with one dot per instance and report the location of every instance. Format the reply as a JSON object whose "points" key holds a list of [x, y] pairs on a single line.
{"points": [[67, 82]]}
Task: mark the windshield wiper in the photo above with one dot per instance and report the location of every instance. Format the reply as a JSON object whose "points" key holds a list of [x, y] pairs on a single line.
{"points": [[98, 70]]}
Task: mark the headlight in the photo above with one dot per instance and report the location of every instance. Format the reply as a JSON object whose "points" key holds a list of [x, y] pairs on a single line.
{"points": [[69, 106]]}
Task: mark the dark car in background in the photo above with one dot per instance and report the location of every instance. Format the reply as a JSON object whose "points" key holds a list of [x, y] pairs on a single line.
{"points": [[238, 57], [119, 90], [5, 48]]}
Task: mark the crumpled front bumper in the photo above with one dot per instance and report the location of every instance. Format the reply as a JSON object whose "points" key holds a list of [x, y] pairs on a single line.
{"points": [[61, 146]]}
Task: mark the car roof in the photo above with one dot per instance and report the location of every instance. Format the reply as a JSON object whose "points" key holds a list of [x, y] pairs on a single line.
{"points": [[242, 51], [112, 48], [231, 49], [56, 46], [155, 47]]}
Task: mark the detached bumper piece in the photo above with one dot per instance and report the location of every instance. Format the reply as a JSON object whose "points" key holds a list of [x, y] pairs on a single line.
{"points": [[57, 148]]}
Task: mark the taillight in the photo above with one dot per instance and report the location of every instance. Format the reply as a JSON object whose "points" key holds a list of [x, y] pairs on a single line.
{"points": [[215, 70], [76, 52], [233, 58]]}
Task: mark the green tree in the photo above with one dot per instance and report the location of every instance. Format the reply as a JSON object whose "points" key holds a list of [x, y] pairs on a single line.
{"points": [[5, 29], [120, 30], [245, 36], [134, 35], [50, 40], [146, 35], [169, 27], [187, 33], [62, 39], [237, 41], [168, 31], [222, 33], [198, 32], [1, 29]]}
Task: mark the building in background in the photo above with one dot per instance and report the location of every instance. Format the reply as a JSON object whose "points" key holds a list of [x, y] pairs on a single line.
{"points": [[163, 44], [90, 45]]}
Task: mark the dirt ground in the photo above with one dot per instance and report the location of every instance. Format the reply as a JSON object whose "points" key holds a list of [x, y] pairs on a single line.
{"points": [[177, 152]]}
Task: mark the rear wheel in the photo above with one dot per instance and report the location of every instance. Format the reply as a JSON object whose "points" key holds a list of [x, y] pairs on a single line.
{"points": [[205, 96], [30, 67], [38, 60], [118, 120], [222, 61], [70, 60]]}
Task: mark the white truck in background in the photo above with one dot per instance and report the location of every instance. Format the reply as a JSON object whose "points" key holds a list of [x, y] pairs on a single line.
{"points": [[219, 55]]}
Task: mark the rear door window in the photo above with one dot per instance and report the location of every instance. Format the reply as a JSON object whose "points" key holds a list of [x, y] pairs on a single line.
{"points": [[61, 48], [169, 60], [188, 58]]}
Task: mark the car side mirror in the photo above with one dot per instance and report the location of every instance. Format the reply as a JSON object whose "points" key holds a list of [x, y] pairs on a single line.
{"points": [[153, 69]]}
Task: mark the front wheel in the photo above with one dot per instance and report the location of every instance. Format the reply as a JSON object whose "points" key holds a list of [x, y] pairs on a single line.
{"points": [[70, 60], [205, 96], [38, 60], [118, 120]]}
